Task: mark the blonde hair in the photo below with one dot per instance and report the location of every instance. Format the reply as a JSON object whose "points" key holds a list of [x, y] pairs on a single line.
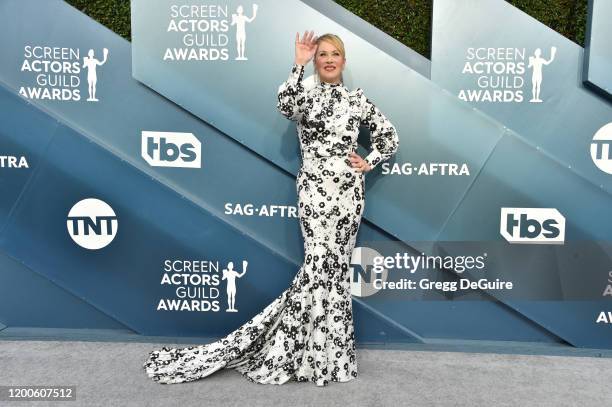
{"points": [[334, 40]]}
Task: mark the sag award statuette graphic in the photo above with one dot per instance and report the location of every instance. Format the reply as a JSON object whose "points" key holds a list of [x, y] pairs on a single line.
{"points": [[240, 21], [230, 275], [536, 62], [91, 63]]}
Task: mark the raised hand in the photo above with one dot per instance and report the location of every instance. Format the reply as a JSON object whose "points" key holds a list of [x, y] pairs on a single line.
{"points": [[305, 48]]}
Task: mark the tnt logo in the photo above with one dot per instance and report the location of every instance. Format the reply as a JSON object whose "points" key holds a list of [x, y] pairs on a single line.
{"points": [[362, 273], [166, 149], [92, 223], [532, 225], [600, 148]]}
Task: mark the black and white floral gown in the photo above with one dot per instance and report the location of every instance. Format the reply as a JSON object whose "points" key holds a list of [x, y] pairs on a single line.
{"points": [[307, 332]]}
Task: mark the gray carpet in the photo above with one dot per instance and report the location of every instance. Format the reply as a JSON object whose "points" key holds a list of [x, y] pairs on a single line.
{"points": [[109, 374]]}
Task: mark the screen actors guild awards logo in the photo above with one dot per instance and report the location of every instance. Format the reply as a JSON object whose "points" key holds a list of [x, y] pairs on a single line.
{"points": [[240, 20], [91, 63], [231, 275], [500, 74], [55, 73], [204, 32], [536, 62]]}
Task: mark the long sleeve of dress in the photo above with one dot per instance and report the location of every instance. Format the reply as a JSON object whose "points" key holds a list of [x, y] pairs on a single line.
{"points": [[383, 135], [292, 95]]}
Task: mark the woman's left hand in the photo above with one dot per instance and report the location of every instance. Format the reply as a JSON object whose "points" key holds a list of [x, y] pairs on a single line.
{"points": [[359, 163]]}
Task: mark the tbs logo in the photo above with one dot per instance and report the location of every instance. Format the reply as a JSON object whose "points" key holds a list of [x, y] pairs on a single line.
{"points": [[170, 149], [532, 225]]}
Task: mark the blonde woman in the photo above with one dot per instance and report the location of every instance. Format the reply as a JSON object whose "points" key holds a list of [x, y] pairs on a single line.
{"points": [[307, 332]]}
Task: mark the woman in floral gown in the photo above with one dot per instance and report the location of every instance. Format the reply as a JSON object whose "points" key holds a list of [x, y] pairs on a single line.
{"points": [[307, 332]]}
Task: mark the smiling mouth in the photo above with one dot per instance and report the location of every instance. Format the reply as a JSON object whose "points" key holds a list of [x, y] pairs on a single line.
{"points": [[330, 68]]}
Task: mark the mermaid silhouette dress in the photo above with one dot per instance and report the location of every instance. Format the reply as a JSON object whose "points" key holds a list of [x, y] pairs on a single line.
{"points": [[307, 332]]}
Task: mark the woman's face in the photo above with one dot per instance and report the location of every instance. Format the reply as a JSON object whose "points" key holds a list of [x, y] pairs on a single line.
{"points": [[329, 63]]}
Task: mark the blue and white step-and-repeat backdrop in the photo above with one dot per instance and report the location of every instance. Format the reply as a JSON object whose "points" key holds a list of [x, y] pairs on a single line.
{"points": [[149, 186]]}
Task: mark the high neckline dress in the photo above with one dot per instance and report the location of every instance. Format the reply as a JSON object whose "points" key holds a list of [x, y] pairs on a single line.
{"points": [[307, 332]]}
